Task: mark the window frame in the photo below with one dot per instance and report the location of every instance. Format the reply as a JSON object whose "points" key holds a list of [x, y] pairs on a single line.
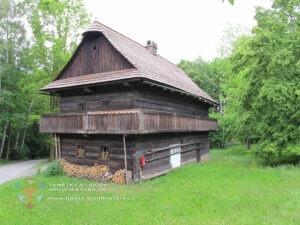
{"points": [[80, 154], [104, 152], [81, 106]]}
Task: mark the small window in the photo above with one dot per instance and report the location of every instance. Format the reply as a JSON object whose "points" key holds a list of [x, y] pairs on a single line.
{"points": [[80, 151], [104, 152], [81, 107]]}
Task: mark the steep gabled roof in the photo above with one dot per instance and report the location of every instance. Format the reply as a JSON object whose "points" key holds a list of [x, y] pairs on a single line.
{"points": [[147, 65]]}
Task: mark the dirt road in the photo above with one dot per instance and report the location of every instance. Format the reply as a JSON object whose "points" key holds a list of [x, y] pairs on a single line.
{"points": [[20, 169]]}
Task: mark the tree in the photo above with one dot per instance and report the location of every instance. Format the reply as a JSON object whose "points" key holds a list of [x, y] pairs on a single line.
{"points": [[267, 73], [26, 65], [56, 27], [12, 44], [205, 75]]}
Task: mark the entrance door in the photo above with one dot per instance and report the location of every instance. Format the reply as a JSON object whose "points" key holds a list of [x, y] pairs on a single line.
{"points": [[175, 156]]}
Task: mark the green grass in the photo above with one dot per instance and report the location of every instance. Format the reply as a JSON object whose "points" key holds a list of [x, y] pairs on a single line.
{"points": [[230, 189], [2, 162], [42, 165]]}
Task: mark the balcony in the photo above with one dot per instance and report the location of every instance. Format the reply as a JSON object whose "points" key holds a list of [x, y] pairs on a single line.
{"points": [[124, 122]]}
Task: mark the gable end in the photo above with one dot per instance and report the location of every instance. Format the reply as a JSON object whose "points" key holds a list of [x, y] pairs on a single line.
{"points": [[95, 54]]}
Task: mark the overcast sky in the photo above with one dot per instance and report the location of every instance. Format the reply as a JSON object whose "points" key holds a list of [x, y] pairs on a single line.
{"points": [[182, 29]]}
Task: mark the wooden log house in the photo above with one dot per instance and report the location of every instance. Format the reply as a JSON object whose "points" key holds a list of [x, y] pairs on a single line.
{"points": [[123, 105]]}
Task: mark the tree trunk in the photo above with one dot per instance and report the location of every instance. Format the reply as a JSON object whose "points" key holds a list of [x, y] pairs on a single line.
{"points": [[3, 138], [26, 125], [8, 144], [52, 150], [248, 143], [17, 140]]}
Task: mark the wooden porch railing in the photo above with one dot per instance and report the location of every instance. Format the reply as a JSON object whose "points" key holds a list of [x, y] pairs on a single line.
{"points": [[124, 122]]}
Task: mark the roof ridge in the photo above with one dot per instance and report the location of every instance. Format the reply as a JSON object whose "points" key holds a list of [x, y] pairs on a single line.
{"points": [[96, 21], [148, 65]]}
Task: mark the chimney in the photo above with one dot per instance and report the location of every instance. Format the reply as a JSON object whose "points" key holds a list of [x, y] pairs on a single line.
{"points": [[152, 47]]}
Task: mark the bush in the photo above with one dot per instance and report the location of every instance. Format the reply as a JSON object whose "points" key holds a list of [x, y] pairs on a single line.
{"points": [[54, 169], [273, 155]]}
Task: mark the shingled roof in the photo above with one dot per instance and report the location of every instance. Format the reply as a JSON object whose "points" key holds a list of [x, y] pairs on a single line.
{"points": [[147, 65]]}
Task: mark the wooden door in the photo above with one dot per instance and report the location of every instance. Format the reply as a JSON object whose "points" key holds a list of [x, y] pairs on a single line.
{"points": [[175, 156]]}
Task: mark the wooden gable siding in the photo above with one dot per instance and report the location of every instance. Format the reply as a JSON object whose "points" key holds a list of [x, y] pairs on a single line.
{"points": [[94, 55]]}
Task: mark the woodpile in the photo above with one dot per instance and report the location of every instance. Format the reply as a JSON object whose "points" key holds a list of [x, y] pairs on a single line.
{"points": [[118, 177], [97, 172]]}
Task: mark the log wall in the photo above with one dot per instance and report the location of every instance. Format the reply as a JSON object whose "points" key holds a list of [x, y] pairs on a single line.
{"points": [[135, 96], [92, 148], [97, 102], [155, 148], [152, 98]]}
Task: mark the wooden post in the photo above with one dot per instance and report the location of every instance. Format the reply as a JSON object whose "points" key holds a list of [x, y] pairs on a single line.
{"points": [[59, 149], [55, 144], [141, 174], [125, 158]]}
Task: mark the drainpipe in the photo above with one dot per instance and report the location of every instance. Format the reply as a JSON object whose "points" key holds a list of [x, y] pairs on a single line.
{"points": [[125, 157]]}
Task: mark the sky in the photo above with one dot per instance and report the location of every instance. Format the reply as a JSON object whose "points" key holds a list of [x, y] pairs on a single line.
{"points": [[182, 29]]}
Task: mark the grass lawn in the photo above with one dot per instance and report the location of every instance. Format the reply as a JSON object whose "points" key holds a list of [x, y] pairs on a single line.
{"points": [[43, 164], [2, 163], [230, 189]]}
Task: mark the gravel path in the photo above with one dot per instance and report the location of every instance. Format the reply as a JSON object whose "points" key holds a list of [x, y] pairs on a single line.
{"points": [[20, 169]]}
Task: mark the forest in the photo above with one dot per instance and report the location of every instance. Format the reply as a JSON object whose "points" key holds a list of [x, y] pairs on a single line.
{"points": [[256, 79]]}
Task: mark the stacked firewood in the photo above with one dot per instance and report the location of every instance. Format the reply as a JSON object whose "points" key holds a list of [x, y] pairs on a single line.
{"points": [[96, 172], [118, 177]]}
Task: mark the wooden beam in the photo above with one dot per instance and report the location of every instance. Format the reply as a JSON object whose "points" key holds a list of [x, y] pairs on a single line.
{"points": [[59, 147], [55, 144], [179, 91], [125, 157], [87, 90]]}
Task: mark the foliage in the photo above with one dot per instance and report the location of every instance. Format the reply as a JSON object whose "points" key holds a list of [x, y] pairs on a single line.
{"points": [[206, 75], [53, 40], [54, 169], [272, 155], [230, 189], [38, 145], [30, 60], [259, 94], [269, 92], [12, 46], [230, 1]]}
